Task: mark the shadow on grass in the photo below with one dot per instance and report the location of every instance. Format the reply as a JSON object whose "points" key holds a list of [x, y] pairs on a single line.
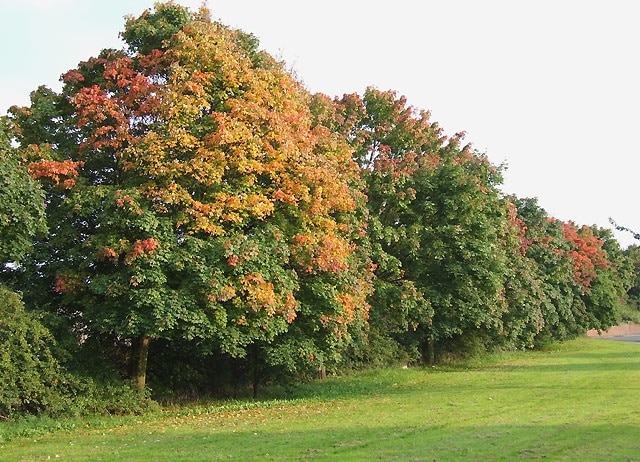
{"points": [[599, 367], [594, 367]]}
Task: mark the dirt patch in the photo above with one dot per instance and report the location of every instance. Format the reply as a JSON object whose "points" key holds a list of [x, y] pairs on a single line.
{"points": [[623, 329]]}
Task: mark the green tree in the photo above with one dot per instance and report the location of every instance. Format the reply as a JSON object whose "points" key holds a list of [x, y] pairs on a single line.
{"points": [[633, 255], [438, 223], [523, 287], [21, 201], [545, 245]]}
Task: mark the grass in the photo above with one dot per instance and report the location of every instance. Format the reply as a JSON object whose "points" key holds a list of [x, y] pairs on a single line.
{"points": [[575, 402]]}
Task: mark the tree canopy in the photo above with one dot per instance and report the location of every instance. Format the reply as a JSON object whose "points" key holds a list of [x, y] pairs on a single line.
{"points": [[199, 198], [193, 195]]}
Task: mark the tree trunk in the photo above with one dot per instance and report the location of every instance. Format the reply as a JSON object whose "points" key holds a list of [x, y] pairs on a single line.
{"points": [[256, 372], [140, 376], [431, 351], [256, 386]]}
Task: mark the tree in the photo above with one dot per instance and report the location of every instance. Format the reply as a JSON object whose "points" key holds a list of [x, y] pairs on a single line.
{"points": [[194, 197], [545, 245], [437, 221], [602, 271], [523, 288], [632, 254], [579, 273], [21, 201]]}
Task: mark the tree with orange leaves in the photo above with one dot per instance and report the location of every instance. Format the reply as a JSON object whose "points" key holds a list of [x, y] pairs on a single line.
{"points": [[194, 197]]}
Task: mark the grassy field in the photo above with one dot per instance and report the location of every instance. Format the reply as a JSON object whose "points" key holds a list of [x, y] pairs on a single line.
{"points": [[576, 401]]}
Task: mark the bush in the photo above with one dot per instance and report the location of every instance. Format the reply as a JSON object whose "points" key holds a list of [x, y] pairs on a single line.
{"points": [[31, 378], [469, 346], [33, 382], [114, 398], [383, 350]]}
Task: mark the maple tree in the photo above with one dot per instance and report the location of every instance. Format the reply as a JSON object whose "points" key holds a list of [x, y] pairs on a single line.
{"points": [[195, 197], [523, 289], [437, 221], [549, 271], [577, 286], [586, 253], [602, 271], [202, 206]]}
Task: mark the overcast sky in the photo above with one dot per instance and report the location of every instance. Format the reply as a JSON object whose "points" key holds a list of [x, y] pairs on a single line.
{"points": [[551, 88]]}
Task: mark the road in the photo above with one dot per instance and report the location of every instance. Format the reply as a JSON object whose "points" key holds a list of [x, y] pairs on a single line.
{"points": [[623, 338]]}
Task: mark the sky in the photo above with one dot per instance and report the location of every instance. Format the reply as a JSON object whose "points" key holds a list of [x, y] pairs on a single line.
{"points": [[549, 88]]}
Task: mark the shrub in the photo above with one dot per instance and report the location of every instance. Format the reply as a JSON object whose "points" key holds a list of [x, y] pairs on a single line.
{"points": [[31, 378]]}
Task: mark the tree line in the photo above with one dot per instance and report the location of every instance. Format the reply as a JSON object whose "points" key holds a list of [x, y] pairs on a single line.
{"points": [[184, 213]]}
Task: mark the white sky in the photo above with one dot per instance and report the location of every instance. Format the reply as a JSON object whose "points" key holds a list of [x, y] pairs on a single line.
{"points": [[551, 87]]}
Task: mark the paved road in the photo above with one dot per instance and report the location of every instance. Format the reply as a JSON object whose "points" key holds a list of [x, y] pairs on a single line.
{"points": [[624, 338]]}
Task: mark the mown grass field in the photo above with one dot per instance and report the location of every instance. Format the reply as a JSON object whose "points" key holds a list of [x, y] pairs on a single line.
{"points": [[577, 401]]}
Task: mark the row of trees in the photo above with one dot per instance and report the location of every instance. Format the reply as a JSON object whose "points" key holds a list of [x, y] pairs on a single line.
{"points": [[184, 208]]}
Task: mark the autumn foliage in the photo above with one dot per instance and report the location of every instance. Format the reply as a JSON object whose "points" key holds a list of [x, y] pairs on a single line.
{"points": [[199, 198], [204, 145], [586, 253]]}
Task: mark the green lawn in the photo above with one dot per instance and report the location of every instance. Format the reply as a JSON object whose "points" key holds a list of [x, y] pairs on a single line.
{"points": [[578, 401]]}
